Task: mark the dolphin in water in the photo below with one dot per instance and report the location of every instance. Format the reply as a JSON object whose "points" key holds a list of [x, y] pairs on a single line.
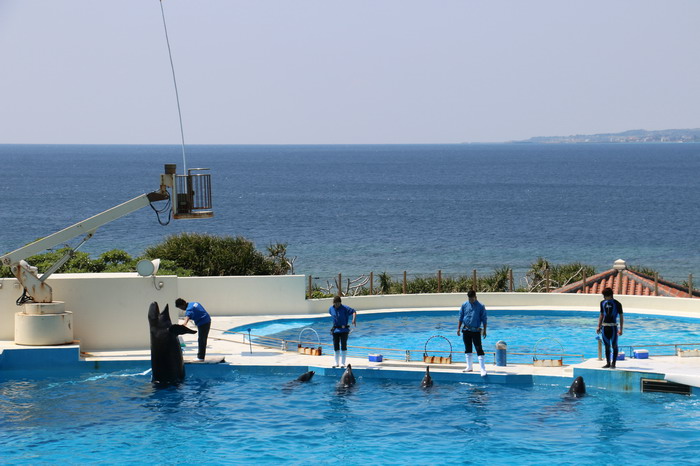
{"points": [[427, 380], [305, 377], [347, 379], [167, 365], [578, 388]]}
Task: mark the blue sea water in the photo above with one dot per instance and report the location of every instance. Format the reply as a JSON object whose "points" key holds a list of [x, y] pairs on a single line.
{"points": [[244, 418], [359, 208]]}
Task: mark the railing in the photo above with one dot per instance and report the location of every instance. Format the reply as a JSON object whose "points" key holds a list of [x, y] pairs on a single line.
{"points": [[661, 347], [193, 194], [504, 279], [362, 351]]}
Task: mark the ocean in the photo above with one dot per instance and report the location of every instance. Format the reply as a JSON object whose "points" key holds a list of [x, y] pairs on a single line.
{"points": [[353, 209]]}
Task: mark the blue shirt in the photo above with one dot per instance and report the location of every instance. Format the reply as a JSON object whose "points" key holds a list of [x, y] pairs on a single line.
{"points": [[196, 312], [341, 318], [472, 314]]}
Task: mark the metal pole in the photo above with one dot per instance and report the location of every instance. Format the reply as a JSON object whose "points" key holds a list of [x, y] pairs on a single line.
{"points": [[511, 286], [474, 284], [439, 281], [371, 283], [340, 284], [404, 282], [690, 285], [656, 283], [310, 286]]}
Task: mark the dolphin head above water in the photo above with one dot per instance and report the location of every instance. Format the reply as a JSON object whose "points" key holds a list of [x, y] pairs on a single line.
{"points": [[578, 387], [306, 376], [347, 379], [427, 380]]}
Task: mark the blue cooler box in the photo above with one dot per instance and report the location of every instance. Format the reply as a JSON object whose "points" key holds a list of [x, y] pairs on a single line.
{"points": [[621, 356], [641, 354], [375, 358]]}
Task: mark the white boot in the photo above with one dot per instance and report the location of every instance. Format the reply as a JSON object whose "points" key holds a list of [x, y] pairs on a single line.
{"points": [[343, 354], [483, 366], [469, 362], [337, 358]]}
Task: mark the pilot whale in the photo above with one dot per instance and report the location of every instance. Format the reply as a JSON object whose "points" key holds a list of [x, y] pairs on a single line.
{"points": [[427, 380], [305, 377], [347, 379], [167, 365], [578, 388]]}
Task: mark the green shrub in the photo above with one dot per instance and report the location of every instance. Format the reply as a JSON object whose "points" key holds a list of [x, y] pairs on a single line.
{"points": [[208, 255]]}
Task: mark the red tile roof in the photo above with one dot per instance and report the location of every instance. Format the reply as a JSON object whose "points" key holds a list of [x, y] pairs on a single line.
{"points": [[627, 282]]}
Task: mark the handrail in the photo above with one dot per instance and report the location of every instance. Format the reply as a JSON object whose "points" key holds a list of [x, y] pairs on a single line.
{"points": [[282, 343]]}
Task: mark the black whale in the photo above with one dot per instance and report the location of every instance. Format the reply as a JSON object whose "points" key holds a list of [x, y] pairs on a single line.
{"points": [[167, 365], [578, 388]]}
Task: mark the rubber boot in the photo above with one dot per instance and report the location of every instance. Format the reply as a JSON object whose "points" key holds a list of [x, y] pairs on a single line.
{"points": [[482, 364], [343, 355], [469, 362], [337, 358]]}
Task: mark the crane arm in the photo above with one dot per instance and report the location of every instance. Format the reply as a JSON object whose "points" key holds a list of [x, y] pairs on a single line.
{"points": [[27, 275]]}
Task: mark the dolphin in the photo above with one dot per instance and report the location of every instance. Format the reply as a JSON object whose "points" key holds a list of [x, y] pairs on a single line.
{"points": [[347, 379], [305, 377], [578, 388], [427, 380], [167, 365]]}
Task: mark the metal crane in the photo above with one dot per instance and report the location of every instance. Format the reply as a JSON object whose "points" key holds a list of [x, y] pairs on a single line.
{"points": [[192, 194]]}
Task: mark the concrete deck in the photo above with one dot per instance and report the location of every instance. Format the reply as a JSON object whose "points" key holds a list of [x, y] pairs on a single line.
{"points": [[240, 356]]}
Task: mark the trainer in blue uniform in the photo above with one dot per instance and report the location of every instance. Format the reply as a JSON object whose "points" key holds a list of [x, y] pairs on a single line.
{"points": [[472, 316], [341, 329], [195, 312], [609, 310]]}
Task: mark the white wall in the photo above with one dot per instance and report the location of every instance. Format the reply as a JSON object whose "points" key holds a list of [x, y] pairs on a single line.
{"points": [[249, 295], [110, 310]]}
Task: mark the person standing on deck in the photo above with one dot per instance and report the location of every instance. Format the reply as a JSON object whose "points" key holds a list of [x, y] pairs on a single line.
{"points": [[609, 310], [195, 311], [472, 316], [341, 329]]}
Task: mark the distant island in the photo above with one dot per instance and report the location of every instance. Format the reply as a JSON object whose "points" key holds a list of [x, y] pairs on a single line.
{"points": [[635, 135]]}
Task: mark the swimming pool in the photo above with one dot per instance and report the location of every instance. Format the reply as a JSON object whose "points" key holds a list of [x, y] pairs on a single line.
{"points": [[523, 331], [243, 417]]}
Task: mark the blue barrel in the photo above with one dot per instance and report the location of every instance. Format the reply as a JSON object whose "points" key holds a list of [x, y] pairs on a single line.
{"points": [[501, 352]]}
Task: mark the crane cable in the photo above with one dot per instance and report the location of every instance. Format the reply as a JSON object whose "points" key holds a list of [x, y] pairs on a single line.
{"points": [[177, 96]]}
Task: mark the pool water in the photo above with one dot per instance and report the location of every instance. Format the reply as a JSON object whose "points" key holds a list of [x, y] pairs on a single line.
{"points": [[241, 418], [523, 331]]}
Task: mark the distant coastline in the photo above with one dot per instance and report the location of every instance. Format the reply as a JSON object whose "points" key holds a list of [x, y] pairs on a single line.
{"points": [[631, 136]]}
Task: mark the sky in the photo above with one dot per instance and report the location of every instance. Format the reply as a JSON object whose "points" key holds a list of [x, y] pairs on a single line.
{"points": [[353, 72]]}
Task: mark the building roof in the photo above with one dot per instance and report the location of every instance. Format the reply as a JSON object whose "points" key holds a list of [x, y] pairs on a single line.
{"points": [[624, 281]]}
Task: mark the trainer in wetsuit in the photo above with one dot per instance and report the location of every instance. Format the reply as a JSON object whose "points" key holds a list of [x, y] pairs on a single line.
{"points": [[195, 311], [609, 310], [472, 316], [341, 329]]}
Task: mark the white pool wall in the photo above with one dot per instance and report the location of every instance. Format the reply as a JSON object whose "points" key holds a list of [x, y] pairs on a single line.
{"points": [[110, 309]]}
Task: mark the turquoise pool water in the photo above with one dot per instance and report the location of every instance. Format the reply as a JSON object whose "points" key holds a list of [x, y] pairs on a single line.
{"points": [[241, 418], [556, 331]]}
